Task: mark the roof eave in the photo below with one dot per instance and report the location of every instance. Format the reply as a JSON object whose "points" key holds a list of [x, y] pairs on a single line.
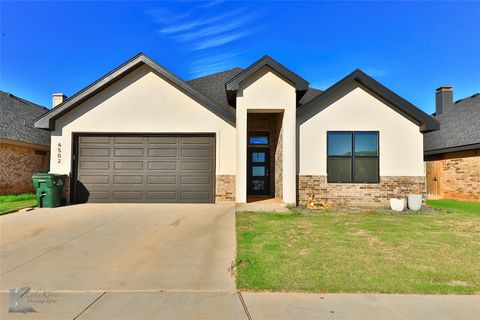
{"points": [[47, 121], [467, 147], [425, 122]]}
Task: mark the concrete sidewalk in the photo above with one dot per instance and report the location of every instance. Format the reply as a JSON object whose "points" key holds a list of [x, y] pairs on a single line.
{"points": [[361, 306], [133, 305]]}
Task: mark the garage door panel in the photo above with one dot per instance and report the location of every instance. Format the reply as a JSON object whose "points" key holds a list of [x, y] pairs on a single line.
{"points": [[128, 152], [163, 152], [170, 168], [99, 195], [128, 140], [94, 152], [196, 140], [197, 196], [170, 196], [162, 165], [94, 165], [196, 153], [94, 139], [197, 180], [127, 195], [94, 179], [196, 166], [163, 140], [162, 179], [129, 179], [128, 165]]}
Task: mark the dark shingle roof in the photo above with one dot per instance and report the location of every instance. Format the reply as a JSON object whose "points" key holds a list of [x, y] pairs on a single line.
{"points": [[213, 86], [458, 127], [17, 117], [309, 95]]}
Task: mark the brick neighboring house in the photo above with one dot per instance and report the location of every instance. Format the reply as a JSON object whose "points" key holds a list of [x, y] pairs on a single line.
{"points": [[452, 154], [24, 149]]}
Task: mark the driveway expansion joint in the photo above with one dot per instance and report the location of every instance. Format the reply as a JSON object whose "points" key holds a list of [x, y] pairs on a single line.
{"points": [[244, 305], [91, 304]]}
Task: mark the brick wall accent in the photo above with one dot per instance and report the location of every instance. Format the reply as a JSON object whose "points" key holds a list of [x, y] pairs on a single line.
{"points": [[356, 194], [454, 175], [225, 188], [17, 164]]}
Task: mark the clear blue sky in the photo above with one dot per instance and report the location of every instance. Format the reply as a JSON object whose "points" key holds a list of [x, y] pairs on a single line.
{"points": [[411, 47]]}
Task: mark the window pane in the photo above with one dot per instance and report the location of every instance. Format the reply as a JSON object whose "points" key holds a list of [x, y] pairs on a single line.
{"points": [[258, 171], [339, 170], [366, 169], [339, 143], [258, 156], [366, 143], [258, 140]]}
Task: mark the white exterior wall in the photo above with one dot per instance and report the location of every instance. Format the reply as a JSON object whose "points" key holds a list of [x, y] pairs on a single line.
{"points": [[142, 102], [267, 92], [401, 142]]}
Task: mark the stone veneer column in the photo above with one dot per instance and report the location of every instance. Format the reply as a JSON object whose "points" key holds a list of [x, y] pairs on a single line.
{"points": [[225, 188]]}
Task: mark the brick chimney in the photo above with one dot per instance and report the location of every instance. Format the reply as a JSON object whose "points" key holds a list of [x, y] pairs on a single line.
{"points": [[443, 100], [57, 99]]}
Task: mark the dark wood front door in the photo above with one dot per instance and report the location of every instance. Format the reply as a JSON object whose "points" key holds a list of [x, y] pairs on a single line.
{"points": [[258, 166]]}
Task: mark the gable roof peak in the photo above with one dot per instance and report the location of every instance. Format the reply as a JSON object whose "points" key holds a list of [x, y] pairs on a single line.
{"points": [[299, 83], [423, 120], [47, 121]]}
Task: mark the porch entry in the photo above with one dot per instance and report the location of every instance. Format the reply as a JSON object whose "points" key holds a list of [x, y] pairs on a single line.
{"points": [[264, 156]]}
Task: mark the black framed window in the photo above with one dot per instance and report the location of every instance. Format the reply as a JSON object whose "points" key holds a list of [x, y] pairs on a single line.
{"points": [[352, 156], [258, 138]]}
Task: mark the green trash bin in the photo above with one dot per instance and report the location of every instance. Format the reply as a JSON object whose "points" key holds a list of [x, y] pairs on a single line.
{"points": [[49, 189]]}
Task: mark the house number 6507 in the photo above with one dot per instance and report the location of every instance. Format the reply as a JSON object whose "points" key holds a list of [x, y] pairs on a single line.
{"points": [[59, 152]]}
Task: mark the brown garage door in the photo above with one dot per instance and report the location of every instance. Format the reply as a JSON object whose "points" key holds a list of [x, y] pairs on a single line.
{"points": [[166, 168]]}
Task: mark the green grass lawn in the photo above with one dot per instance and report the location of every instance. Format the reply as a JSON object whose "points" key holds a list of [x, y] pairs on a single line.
{"points": [[436, 251], [12, 203]]}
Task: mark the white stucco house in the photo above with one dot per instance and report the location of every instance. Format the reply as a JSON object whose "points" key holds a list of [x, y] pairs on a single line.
{"points": [[141, 134]]}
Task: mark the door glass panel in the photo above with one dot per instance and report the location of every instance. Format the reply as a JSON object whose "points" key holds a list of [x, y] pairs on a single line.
{"points": [[258, 156], [258, 185], [258, 171]]}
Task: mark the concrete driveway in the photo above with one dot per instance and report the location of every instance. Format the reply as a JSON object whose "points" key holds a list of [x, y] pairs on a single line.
{"points": [[159, 255], [119, 247]]}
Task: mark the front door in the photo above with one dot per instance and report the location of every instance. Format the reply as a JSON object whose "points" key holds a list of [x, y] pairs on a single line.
{"points": [[258, 171]]}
